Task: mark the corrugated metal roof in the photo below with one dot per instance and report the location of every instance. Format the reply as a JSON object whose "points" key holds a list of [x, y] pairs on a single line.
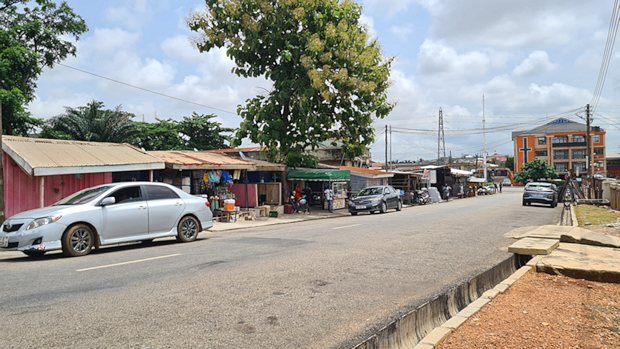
{"points": [[236, 150], [366, 172], [559, 125], [45, 157], [201, 160]]}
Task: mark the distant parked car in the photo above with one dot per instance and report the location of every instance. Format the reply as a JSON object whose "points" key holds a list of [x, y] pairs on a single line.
{"points": [[539, 192], [107, 214], [373, 199], [506, 182]]}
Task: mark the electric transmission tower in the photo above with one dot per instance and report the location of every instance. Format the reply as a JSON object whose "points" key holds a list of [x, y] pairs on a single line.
{"points": [[441, 140]]}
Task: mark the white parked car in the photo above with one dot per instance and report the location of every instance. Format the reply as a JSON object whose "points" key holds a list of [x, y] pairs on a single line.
{"points": [[107, 214]]}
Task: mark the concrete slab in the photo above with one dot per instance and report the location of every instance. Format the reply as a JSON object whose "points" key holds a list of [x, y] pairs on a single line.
{"points": [[583, 262], [588, 237], [454, 322], [436, 336], [533, 246], [544, 232]]}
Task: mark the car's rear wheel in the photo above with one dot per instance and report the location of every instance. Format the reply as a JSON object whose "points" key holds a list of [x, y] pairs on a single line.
{"points": [[188, 229], [34, 254], [78, 241], [383, 208], [399, 206]]}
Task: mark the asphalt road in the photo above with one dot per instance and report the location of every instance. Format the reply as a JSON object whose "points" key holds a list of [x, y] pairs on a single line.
{"points": [[317, 284]]}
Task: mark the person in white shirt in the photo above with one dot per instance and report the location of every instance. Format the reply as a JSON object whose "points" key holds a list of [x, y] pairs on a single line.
{"points": [[329, 197]]}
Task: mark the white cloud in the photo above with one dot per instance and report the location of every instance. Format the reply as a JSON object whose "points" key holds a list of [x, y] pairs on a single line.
{"points": [[535, 64], [403, 32], [435, 58], [369, 23], [130, 15]]}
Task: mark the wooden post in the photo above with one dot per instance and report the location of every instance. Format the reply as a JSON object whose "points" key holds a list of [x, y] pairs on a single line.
{"points": [[42, 191]]}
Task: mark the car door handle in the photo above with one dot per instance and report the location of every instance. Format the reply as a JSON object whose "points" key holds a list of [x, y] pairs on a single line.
{"points": [[178, 204], [142, 207]]}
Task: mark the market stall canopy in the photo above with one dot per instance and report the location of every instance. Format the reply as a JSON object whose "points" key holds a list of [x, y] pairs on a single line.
{"points": [[319, 174], [461, 173], [48, 157], [366, 172], [201, 160], [261, 165]]}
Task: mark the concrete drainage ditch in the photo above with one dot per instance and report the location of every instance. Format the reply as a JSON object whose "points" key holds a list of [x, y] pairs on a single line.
{"points": [[409, 329]]}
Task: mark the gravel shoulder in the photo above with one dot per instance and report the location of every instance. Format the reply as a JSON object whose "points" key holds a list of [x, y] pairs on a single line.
{"points": [[545, 311]]}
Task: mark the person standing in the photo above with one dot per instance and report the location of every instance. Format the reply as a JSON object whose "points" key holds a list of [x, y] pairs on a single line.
{"points": [[329, 197]]}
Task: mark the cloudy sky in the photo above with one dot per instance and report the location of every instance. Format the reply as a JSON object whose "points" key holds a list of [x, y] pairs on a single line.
{"points": [[532, 60]]}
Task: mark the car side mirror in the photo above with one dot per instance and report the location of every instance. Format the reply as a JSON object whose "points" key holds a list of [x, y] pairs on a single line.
{"points": [[107, 201]]}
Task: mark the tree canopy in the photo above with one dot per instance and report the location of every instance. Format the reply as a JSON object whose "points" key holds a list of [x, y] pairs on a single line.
{"points": [[329, 80], [33, 35], [536, 170], [91, 123]]}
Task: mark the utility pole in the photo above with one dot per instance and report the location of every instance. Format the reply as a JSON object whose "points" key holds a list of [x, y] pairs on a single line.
{"points": [[391, 144], [386, 147], [484, 139], [1, 170], [589, 162], [441, 140]]}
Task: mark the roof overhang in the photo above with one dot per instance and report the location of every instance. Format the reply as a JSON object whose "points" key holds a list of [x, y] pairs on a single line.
{"points": [[210, 167]]}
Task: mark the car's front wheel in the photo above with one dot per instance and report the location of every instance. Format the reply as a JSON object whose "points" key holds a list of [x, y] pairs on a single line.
{"points": [[383, 208], [188, 229], [353, 213], [78, 241]]}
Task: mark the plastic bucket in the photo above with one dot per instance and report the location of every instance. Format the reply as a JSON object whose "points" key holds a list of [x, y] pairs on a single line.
{"points": [[229, 205]]}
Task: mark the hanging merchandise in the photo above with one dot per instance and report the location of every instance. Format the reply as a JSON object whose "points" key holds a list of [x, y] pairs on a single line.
{"points": [[214, 176], [236, 174], [205, 177], [226, 177]]}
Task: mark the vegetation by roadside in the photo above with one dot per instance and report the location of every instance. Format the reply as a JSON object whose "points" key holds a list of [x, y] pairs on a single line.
{"points": [[597, 218]]}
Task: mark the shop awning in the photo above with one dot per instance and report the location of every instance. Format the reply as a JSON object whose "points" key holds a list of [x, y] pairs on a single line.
{"points": [[319, 175], [201, 160]]}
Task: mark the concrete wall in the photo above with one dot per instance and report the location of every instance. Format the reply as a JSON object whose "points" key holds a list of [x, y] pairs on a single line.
{"points": [[409, 329]]}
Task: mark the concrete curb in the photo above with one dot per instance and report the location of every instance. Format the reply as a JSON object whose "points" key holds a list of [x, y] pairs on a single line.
{"points": [[440, 333], [573, 216], [422, 326]]}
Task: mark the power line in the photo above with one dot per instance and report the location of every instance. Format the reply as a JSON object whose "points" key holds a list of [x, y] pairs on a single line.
{"points": [[607, 54], [146, 89]]}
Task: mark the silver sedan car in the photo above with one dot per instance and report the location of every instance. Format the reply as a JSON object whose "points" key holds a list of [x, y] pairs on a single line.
{"points": [[107, 214]]}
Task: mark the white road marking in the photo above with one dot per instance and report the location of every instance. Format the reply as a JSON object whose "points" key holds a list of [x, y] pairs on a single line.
{"points": [[346, 226], [129, 262]]}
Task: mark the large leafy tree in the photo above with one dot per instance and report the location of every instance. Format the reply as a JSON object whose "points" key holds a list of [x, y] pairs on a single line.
{"points": [[33, 35], [92, 123], [536, 170], [329, 80], [202, 133], [159, 135]]}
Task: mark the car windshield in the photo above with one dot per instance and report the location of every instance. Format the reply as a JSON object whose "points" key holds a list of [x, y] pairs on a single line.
{"points": [[371, 191], [83, 196], [538, 186]]}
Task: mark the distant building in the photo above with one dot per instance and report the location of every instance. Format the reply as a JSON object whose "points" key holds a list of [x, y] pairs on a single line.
{"points": [[562, 144], [613, 165]]}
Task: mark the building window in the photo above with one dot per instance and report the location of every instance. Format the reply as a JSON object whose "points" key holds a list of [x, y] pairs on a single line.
{"points": [[596, 138], [561, 167], [579, 153], [579, 167], [542, 140], [560, 139], [540, 153], [560, 154], [579, 139], [599, 151]]}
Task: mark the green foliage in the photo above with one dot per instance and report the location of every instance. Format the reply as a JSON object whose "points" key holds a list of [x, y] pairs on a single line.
{"points": [[91, 123], [295, 159], [33, 35], [510, 163], [329, 81], [200, 132], [160, 135], [535, 171]]}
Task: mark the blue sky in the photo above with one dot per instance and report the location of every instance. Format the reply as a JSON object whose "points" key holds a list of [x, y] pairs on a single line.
{"points": [[532, 60]]}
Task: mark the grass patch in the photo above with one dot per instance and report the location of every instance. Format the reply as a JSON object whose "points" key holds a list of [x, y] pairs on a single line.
{"points": [[594, 215]]}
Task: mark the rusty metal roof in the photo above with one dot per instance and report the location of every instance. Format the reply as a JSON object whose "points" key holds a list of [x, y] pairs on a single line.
{"points": [[46, 157], [201, 160], [367, 172]]}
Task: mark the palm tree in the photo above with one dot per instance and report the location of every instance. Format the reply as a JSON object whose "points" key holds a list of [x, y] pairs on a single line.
{"points": [[92, 123]]}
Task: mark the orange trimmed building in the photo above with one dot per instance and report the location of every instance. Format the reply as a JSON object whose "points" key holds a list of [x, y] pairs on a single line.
{"points": [[562, 144]]}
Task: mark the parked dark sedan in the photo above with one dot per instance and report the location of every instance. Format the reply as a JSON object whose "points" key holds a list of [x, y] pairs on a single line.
{"points": [[372, 199], [539, 192]]}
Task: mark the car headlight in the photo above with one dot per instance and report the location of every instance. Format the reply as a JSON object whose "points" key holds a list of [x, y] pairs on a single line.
{"points": [[375, 200], [43, 221]]}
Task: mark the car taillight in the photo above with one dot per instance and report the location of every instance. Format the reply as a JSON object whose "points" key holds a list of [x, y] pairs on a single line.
{"points": [[207, 203]]}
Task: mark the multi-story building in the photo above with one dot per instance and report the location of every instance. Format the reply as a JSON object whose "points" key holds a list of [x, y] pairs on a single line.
{"points": [[562, 144]]}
